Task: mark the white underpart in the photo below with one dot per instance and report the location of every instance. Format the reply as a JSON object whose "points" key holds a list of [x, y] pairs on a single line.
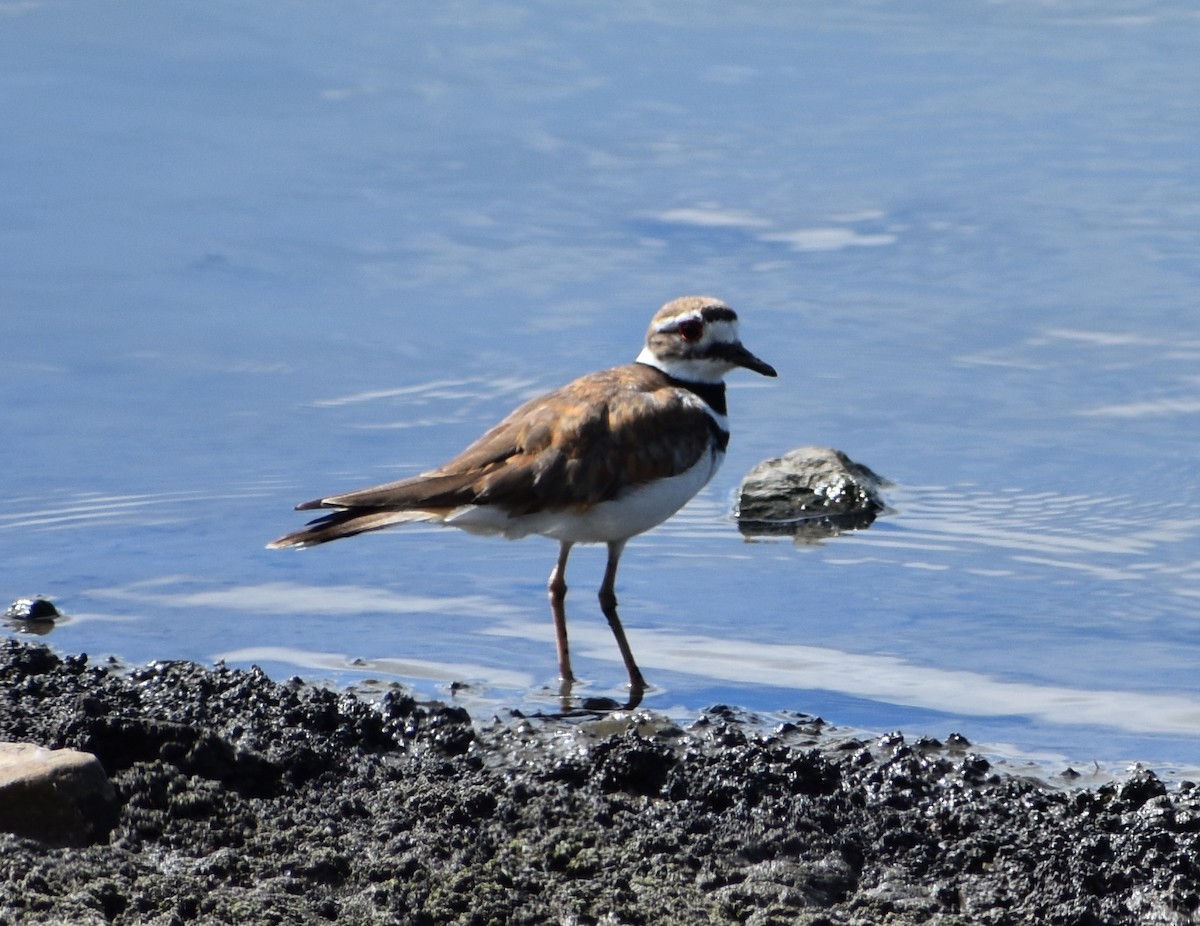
{"points": [[634, 511]]}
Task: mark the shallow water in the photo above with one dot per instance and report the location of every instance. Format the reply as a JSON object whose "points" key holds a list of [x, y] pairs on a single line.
{"points": [[249, 259]]}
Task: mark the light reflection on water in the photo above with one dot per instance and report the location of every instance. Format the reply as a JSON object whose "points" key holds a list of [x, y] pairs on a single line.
{"points": [[445, 674], [966, 242], [1005, 537], [934, 531]]}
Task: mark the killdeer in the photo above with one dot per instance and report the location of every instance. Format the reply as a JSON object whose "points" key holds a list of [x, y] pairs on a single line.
{"points": [[600, 460]]}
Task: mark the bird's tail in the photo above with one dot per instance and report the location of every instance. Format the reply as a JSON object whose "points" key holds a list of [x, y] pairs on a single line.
{"points": [[346, 522]]}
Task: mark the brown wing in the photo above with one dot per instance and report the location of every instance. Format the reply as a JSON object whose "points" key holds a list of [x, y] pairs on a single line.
{"points": [[572, 448], [591, 440]]}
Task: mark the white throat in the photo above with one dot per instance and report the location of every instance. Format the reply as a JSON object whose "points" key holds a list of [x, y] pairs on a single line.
{"points": [[694, 370]]}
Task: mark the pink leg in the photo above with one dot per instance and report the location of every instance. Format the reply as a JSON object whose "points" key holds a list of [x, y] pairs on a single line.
{"points": [[558, 595], [608, 604]]}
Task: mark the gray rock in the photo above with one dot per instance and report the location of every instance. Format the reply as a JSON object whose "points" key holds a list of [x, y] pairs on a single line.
{"points": [[60, 797], [808, 493], [32, 609]]}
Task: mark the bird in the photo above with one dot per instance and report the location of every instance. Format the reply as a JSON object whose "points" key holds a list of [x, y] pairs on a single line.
{"points": [[602, 459]]}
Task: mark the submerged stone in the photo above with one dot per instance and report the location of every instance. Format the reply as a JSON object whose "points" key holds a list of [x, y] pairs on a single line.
{"points": [[809, 493], [32, 609]]}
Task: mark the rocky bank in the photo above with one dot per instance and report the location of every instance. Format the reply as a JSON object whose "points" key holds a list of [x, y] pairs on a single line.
{"points": [[244, 800]]}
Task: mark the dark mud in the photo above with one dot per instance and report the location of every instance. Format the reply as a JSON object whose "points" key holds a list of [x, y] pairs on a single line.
{"points": [[248, 801]]}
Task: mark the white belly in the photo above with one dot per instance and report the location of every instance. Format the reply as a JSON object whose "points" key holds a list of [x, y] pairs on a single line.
{"points": [[633, 512]]}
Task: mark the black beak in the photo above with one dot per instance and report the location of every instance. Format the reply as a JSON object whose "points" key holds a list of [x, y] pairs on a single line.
{"points": [[739, 356]]}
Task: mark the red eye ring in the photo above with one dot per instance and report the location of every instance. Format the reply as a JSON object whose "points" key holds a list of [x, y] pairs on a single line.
{"points": [[691, 330]]}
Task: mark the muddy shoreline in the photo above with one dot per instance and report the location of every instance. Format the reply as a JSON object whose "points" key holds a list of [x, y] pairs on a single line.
{"points": [[246, 800]]}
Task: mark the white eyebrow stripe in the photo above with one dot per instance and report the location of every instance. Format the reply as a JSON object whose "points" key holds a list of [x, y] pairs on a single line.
{"points": [[676, 320], [724, 332]]}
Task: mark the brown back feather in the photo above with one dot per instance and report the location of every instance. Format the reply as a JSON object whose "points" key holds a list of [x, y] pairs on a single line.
{"points": [[572, 448]]}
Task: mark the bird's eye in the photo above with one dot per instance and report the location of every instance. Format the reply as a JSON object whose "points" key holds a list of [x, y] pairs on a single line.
{"points": [[691, 330]]}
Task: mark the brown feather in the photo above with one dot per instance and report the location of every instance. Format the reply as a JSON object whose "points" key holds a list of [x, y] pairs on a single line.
{"points": [[586, 442], [345, 522], [572, 448]]}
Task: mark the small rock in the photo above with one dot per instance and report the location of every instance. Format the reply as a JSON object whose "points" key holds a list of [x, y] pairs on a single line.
{"points": [[32, 609], [60, 797], [809, 493]]}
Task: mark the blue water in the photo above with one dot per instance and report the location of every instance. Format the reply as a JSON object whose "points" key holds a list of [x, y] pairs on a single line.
{"points": [[252, 254]]}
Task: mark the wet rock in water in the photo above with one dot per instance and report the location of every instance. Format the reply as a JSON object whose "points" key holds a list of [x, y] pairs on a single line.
{"points": [[809, 493], [32, 609], [58, 797]]}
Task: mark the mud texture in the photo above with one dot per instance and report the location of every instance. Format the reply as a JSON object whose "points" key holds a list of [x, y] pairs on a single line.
{"points": [[248, 801]]}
